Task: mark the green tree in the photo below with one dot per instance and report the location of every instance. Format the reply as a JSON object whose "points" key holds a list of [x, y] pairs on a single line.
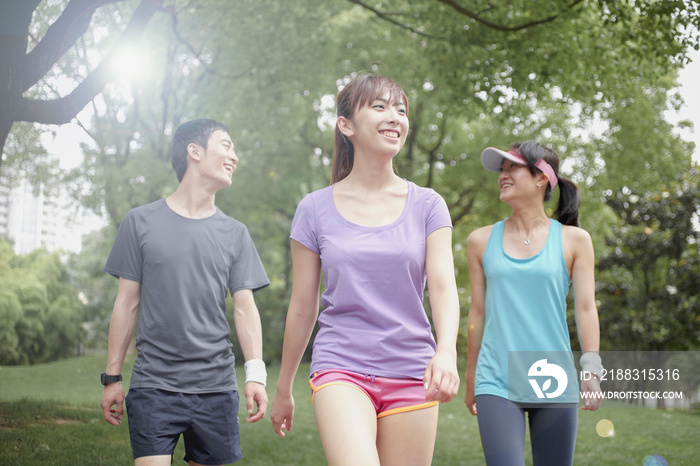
{"points": [[63, 328], [96, 289], [10, 314], [647, 283], [549, 70], [41, 315], [22, 71], [30, 327], [129, 164]]}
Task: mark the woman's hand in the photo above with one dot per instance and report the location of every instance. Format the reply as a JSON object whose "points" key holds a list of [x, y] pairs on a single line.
{"points": [[441, 380], [282, 413], [591, 394], [470, 400]]}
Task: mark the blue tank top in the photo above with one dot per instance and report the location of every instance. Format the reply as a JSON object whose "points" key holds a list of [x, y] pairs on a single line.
{"points": [[525, 308]]}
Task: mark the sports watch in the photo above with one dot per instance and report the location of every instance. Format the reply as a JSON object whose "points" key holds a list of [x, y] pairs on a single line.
{"points": [[108, 379]]}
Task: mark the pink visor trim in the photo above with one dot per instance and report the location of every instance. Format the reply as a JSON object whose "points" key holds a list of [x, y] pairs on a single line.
{"points": [[492, 158]]}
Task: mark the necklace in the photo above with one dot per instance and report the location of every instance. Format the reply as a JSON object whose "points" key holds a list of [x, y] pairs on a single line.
{"points": [[532, 231]]}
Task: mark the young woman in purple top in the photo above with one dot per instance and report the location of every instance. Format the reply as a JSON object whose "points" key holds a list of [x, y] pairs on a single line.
{"points": [[377, 373]]}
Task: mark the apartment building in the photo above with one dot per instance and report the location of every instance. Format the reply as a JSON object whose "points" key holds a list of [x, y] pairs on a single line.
{"points": [[33, 220]]}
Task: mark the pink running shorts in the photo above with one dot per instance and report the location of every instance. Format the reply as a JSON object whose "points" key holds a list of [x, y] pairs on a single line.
{"points": [[388, 395]]}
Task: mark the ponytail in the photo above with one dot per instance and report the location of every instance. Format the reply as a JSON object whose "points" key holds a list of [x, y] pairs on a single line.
{"points": [[343, 156], [569, 197], [569, 200]]}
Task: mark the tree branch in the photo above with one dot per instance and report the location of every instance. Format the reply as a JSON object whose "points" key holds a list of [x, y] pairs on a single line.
{"points": [[416, 123], [385, 17], [61, 36], [432, 154], [463, 209], [198, 53], [475, 16], [60, 111]]}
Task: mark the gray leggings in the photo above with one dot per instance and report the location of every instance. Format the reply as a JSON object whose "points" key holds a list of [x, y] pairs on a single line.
{"points": [[502, 430]]}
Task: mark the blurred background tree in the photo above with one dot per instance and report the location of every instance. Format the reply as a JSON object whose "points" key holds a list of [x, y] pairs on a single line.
{"points": [[41, 316], [592, 79], [648, 278]]}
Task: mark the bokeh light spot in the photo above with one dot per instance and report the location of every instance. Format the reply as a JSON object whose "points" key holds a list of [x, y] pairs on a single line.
{"points": [[655, 460], [605, 428]]}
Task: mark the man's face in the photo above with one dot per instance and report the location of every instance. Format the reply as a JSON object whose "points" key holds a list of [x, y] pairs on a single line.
{"points": [[218, 162]]}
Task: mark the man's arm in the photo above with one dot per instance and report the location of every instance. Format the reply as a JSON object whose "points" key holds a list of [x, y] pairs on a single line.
{"points": [[246, 319], [121, 329]]}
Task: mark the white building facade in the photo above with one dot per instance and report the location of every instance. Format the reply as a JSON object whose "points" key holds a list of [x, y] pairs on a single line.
{"points": [[33, 220]]}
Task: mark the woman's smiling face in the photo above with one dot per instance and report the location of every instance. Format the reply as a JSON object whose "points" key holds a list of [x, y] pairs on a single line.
{"points": [[382, 124]]}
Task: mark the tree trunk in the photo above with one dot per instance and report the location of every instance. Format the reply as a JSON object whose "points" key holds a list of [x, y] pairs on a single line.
{"points": [[12, 49]]}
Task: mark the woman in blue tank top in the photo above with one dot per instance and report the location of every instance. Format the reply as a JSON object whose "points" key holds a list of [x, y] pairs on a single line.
{"points": [[520, 270]]}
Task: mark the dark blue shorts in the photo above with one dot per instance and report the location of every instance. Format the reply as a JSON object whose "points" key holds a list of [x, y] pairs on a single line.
{"points": [[208, 422]]}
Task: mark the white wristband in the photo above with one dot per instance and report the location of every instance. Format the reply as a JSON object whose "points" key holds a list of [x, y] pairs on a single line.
{"points": [[591, 362], [255, 371]]}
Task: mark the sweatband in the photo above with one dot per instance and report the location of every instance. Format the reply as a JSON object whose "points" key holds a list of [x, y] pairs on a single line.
{"points": [[591, 362], [543, 166], [255, 371]]}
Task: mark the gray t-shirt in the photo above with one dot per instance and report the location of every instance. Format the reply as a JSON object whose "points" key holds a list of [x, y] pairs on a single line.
{"points": [[185, 268]]}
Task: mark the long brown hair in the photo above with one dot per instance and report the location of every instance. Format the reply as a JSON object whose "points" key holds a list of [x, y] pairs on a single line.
{"points": [[361, 91]]}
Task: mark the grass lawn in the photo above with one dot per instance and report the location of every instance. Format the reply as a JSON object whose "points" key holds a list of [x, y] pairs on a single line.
{"points": [[50, 415]]}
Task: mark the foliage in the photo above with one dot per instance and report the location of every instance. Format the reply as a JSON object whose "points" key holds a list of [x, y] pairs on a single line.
{"points": [[24, 155], [96, 289], [648, 280], [592, 79], [40, 313]]}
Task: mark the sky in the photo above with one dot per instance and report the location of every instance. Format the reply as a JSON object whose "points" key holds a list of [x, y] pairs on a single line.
{"points": [[688, 79]]}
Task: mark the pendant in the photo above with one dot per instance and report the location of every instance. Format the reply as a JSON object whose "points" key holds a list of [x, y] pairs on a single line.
{"points": [[527, 242]]}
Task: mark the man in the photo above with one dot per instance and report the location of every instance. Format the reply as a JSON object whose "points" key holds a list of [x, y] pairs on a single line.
{"points": [[176, 259]]}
